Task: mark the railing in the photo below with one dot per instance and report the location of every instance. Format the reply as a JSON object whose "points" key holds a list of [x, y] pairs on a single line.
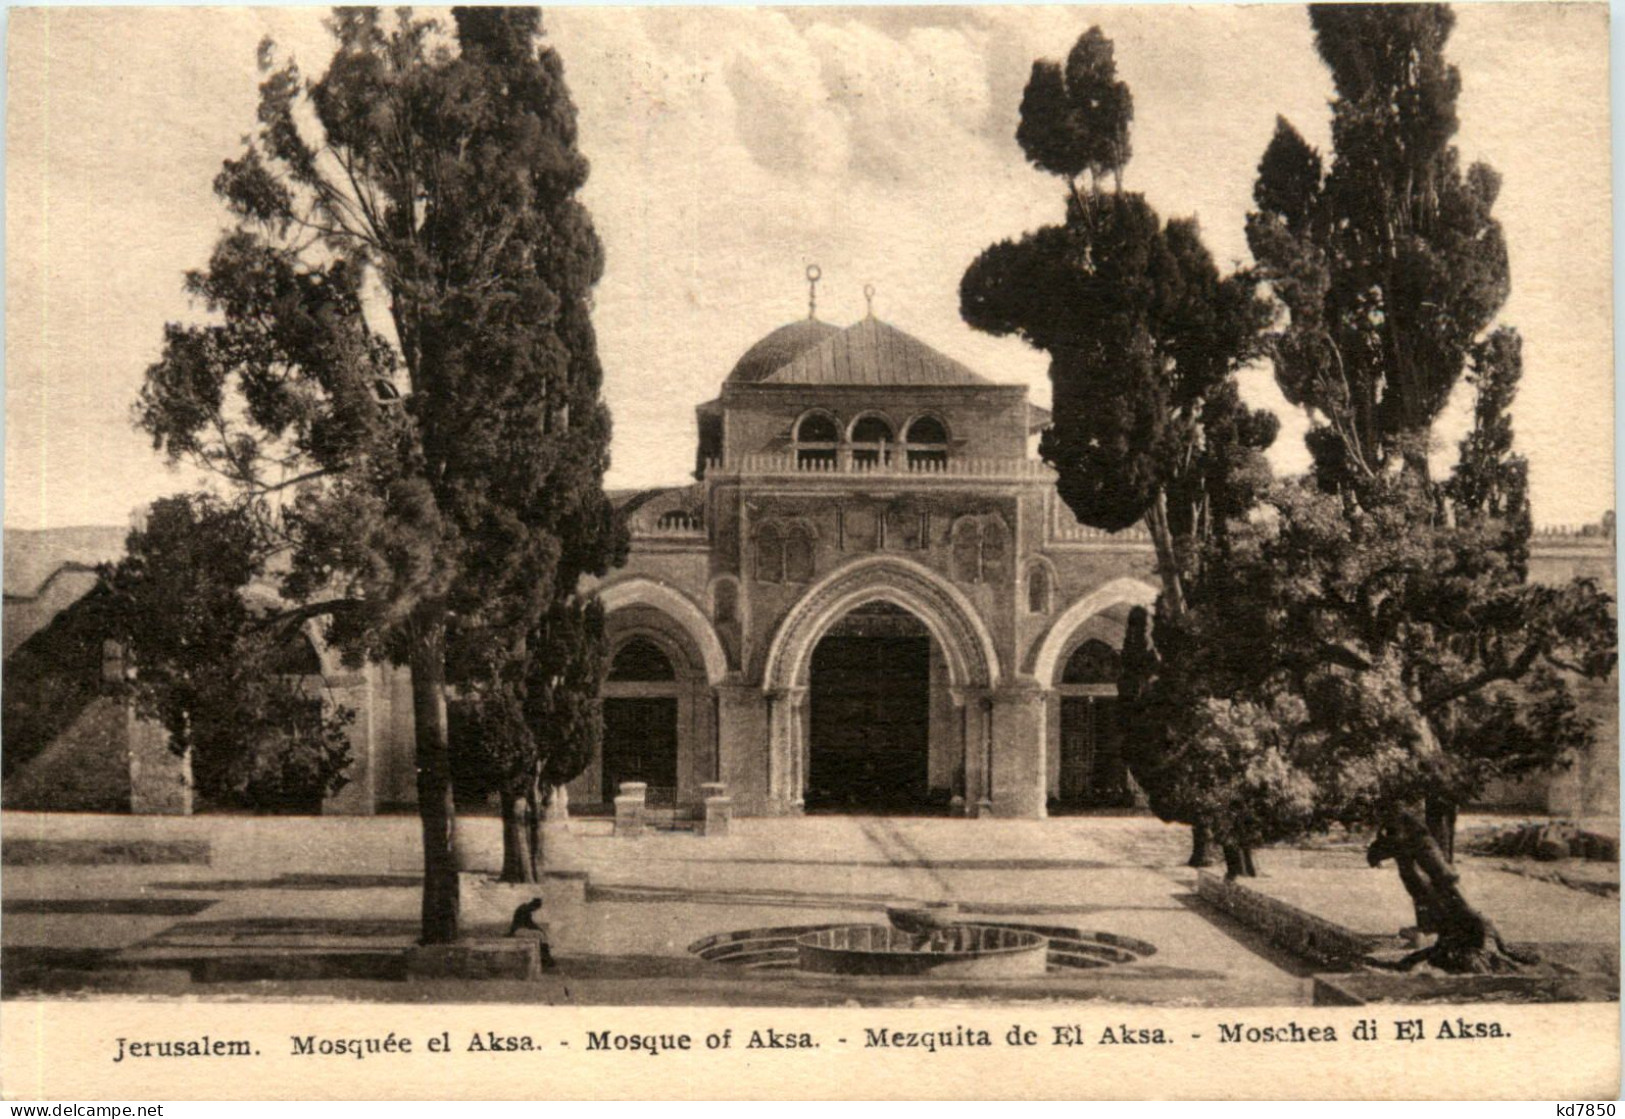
{"points": [[674, 524], [1087, 534], [1546, 534], [897, 465], [1598, 533]]}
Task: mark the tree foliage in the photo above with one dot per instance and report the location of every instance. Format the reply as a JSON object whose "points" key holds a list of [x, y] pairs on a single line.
{"points": [[1389, 266], [213, 664], [1143, 333], [1075, 118], [399, 385], [1363, 646]]}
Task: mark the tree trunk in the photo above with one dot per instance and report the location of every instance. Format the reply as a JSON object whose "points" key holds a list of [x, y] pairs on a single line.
{"points": [[1468, 942], [435, 807], [1173, 605], [516, 854], [1162, 541], [535, 807], [1441, 822], [1201, 846], [1238, 862]]}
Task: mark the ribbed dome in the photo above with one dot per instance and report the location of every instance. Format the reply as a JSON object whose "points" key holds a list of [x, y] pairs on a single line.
{"points": [[779, 349]]}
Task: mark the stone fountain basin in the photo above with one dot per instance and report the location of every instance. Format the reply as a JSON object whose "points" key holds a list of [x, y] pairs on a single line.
{"points": [[960, 951]]}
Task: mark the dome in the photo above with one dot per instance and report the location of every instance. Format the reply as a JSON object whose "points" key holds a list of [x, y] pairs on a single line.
{"points": [[779, 349]]}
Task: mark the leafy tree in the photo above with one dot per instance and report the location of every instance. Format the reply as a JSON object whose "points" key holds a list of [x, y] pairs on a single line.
{"points": [[1390, 266], [1144, 337], [398, 387], [1363, 647], [530, 720], [211, 661]]}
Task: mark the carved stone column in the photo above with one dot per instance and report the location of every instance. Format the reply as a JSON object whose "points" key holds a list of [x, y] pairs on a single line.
{"points": [[784, 749], [796, 699], [1019, 729], [976, 747]]}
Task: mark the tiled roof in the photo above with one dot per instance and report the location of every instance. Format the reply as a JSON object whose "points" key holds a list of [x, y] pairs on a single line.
{"points": [[871, 352]]}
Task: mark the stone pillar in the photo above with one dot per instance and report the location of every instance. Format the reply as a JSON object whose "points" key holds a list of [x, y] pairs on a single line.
{"points": [[629, 809], [160, 781], [1019, 732], [557, 814], [799, 749], [984, 711], [743, 733], [975, 723], [784, 750], [716, 810]]}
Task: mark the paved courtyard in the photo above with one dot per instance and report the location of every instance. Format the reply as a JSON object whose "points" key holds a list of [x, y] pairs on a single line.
{"points": [[300, 885]]}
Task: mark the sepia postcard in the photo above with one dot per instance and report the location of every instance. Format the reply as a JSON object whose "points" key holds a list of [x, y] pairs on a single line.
{"points": [[827, 552]]}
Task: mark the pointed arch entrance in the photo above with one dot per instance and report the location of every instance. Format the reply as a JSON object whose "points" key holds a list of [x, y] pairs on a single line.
{"points": [[926, 735], [871, 697]]}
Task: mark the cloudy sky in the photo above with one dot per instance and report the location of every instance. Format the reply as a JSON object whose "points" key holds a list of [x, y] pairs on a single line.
{"points": [[732, 147]]}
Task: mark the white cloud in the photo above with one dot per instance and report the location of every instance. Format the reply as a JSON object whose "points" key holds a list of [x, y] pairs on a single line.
{"points": [[730, 147]]}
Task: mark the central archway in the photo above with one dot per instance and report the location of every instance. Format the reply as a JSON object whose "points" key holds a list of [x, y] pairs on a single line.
{"points": [[962, 654]]}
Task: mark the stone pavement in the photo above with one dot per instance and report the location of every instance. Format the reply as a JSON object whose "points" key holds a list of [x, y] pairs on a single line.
{"points": [[285, 886]]}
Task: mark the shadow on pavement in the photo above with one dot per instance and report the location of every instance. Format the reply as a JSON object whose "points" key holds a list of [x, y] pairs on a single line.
{"points": [[300, 882], [122, 907]]}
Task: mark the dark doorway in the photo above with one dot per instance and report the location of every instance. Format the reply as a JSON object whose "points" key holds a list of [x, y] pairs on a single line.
{"points": [[1093, 774], [1092, 771], [869, 714], [640, 744]]}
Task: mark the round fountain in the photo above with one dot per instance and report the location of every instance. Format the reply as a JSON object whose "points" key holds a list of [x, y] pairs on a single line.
{"points": [[952, 952], [926, 941]]}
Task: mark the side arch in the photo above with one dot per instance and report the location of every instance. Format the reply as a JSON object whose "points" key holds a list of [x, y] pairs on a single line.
{"points": [[967, 645], [1123, 590], [641, 591]]}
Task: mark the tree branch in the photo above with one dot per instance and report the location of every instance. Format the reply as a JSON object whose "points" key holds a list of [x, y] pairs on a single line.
{"points": [[1521, 665]]}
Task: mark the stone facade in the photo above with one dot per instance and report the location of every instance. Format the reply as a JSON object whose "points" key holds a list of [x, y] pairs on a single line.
{"points": [[850, 482]]}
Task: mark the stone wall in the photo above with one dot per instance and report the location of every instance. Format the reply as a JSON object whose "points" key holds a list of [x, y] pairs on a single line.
{"points": [[1286, 926]]}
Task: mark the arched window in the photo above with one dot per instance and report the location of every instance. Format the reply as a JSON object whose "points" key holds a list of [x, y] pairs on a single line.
{"points": [[995, 545], [725, 602], [769, 554], [798, 554], [1093, 662], [871, 441], [927, 444], [816, 439], [1038, 589], [980, 546], [641, 659]]}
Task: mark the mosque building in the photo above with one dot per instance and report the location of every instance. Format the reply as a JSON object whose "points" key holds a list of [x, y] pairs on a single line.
{"points": [[871, 599]]}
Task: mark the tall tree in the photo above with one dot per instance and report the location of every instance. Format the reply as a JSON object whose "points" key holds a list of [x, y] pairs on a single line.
{"points": [[1365, 648], [1143, 334], [399, 389], [1390, 266]]}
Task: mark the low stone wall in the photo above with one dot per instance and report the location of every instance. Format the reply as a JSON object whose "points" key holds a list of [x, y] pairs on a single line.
{"points": [[1286, 926], [1364, 988]]}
